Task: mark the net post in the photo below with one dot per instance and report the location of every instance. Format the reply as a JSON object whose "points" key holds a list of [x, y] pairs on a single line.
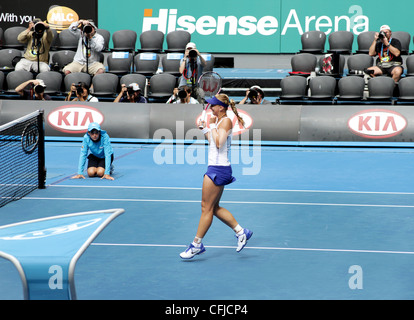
{"points": [[41, 150]]}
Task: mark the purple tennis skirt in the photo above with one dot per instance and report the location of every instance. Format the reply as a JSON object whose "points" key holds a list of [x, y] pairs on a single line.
{"points": [[220, 175]]}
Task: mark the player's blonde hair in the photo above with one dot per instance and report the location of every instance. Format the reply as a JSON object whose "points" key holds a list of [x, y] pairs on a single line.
{"points": [[230, 102]]}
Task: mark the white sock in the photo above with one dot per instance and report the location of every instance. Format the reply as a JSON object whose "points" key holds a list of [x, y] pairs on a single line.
{"points": [[238, 229], [197, 241]]}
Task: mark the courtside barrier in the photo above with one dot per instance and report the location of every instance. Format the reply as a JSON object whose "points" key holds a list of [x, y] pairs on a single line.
{"points": [[376, 123]]}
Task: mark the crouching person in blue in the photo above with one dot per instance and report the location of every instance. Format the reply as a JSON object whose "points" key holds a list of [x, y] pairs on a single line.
{"points": [[96, 146]]}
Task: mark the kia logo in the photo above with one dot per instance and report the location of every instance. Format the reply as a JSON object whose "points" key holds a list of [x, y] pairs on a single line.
{"points": [[237, 128], [377, 123], [74, 118]]}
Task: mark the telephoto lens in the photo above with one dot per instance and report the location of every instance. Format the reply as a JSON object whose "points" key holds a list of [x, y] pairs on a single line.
{"points": [[87, 29]]}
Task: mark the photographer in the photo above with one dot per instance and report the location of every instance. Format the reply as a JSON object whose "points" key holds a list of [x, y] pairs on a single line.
{"points": [[388, 50], [90, 44], [81, 90], [132, 93], [191, 66], [38, 38], [256, 96], [33, 90], [182, 95]]}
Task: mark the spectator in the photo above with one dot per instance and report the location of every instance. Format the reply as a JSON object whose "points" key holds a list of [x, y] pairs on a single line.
{"points": [[38, 38], [191, 66], [256, 96], [33, 90], [89, 45], [132, 93], [388, 50], [82, 93], [182, 95]]}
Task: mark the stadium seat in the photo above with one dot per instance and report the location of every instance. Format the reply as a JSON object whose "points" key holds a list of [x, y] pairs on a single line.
{"points": [[67, 41], [293, 87], [171, 63], [146, 63], [16, 78], [10, 38], [409, 62], [124, 40], [119, 65], [364, 40], [55, 42], [210, 60], [162, 85], [322, 88], [1, 37], [406, 89], [6, 59], [333, 73], [52, 80], [75, 78], [404, 38], [105, 84], [177, 40], [151, 41], [61, 58], [381, 88], [107, 37], [358, 62], [303, 63], [2, 81], [341, 42], [351, 88], [313, 42], [134, 78]]}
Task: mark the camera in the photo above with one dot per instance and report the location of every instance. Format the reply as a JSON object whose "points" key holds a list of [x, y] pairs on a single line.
{"points": [[39, 89], [381, 35], [79, 89], [192, 53], [253, 93], [39, 28], [87, 29], [182, 94], [130, 91]]}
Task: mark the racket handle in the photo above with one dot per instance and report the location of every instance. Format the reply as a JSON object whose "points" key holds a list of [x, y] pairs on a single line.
{"points": [[203, 118]]}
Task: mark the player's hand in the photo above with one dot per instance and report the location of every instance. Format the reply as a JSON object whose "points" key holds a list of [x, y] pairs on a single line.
{"points": [[78, 176], [107, 176]]}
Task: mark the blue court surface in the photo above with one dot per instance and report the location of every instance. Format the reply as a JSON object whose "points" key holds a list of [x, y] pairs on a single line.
{"points": [[329, 223]]}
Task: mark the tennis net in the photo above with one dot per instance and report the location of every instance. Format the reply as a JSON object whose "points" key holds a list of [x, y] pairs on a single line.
{"points": [[22, 157]]}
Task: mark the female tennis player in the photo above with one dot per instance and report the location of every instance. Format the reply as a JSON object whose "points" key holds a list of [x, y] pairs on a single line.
{"points": [[219, 174]]}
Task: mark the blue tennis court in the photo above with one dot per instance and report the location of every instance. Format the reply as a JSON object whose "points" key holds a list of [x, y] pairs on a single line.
{"points": [[329, 222]]}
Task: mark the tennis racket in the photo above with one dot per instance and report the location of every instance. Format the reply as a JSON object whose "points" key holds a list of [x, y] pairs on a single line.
{"points": [[209, 84]]}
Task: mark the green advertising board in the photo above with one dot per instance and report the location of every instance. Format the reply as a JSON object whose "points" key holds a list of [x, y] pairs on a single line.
{"points": [[266, 26]]}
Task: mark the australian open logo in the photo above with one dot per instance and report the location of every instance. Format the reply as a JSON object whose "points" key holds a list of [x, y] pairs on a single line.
{"points": [[30, 138]]}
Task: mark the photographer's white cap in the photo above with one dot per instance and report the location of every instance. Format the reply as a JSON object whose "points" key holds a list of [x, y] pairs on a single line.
{"points": [[134, 86], [41, 83], [385, 27], [191, 45]]}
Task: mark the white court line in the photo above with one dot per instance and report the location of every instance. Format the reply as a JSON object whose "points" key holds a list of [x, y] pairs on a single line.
{"points": [[236, 189], [228, 201], [252, 248]]}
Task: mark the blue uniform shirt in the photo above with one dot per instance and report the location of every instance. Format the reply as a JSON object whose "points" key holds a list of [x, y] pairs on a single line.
{"points": [[101, 149]]}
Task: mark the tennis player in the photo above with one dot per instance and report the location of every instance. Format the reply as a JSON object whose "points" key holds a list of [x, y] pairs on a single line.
{"points": [[219, 174], [96, 146]]}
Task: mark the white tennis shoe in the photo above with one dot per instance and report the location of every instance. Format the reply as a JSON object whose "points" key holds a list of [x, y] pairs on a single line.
{"points": [[192, 251], [242, 239]]}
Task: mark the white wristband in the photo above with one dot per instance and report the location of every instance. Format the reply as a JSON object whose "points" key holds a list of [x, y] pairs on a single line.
{"points": [[205, 130]]}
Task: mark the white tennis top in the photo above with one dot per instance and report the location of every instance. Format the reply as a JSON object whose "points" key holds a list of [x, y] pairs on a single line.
{"points": [[216, 156]]}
